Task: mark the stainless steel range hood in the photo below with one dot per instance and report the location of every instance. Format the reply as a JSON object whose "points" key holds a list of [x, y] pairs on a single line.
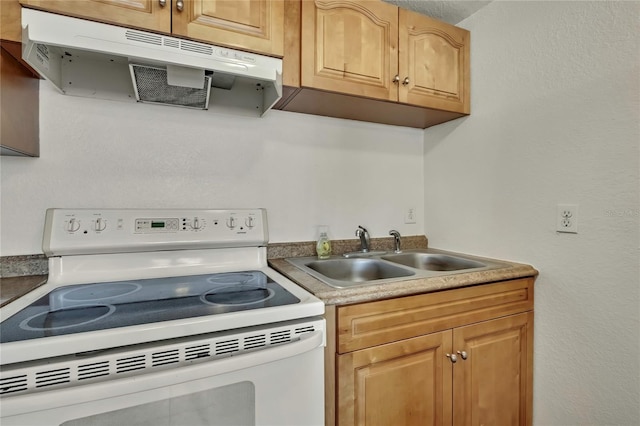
{"points": [[90, 59]]}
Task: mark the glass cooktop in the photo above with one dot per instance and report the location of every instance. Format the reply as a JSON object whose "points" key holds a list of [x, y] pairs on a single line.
{"points": [[100, 306]]}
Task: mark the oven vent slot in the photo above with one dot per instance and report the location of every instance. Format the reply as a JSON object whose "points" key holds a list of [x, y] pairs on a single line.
{"points": [[227, 346], [124, 365], [13, 384], [195, 352], [282, 336], [165, 357], [96, 369], [307, 329], [257, 341], [53, 377]]}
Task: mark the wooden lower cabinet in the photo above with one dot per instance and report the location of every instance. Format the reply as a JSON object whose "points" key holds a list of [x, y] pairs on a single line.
{"points": [[401, 383], [478, 371], [493, 385]]}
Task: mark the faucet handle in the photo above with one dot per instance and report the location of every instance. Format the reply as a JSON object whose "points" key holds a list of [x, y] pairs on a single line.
{"points": [[396, 238]]}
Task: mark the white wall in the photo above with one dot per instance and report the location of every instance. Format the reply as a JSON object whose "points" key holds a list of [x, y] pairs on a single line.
{"points": [[555, 119], [305, 170]]}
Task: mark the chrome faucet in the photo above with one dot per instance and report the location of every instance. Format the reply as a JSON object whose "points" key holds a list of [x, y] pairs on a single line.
{"points": [[396, 237], [363, 234]]}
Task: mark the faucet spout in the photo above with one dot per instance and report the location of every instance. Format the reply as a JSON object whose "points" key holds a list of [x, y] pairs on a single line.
{"points": [[363, 234], [396, 238]]}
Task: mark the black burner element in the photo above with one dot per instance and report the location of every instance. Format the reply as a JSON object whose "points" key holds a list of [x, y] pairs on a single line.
{"points": [[67, 318], [242, 296]]}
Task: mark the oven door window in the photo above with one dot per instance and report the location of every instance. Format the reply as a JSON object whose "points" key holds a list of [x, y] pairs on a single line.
{"points": [[227, 405]]}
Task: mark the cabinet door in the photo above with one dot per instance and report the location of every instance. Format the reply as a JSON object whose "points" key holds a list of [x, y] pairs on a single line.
{"points": [[433, 63], [492, 386], [350, 47], [146, 14], [256, 25], [19, 112], [403, 383], [10, 21]]}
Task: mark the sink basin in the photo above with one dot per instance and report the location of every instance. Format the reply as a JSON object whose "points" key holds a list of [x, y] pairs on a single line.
{"points": [[433, 261], [341, 272], [352, 272]]}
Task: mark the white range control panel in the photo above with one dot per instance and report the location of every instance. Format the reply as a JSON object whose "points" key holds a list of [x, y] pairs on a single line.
{"points": [[91, 231]]}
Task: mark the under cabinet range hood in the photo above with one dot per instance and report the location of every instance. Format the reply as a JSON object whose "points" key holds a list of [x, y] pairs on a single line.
{"points": [[90, 59]]}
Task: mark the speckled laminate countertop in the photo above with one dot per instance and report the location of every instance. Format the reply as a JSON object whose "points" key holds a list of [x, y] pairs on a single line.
{"points": [[12, 288]]}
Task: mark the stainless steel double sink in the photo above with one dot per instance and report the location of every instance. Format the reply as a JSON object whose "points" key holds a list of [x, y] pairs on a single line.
{"points": [[379, 268]]}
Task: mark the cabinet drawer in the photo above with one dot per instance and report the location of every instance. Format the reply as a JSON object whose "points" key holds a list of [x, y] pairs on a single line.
{"points": [[369, 324]]}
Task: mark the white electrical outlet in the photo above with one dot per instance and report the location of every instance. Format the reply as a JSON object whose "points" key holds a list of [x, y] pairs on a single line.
{"points": [[567, 218], [410, 215]]}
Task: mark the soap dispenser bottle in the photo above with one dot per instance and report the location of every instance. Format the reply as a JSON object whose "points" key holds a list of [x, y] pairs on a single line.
{"points": [[323, 245]]}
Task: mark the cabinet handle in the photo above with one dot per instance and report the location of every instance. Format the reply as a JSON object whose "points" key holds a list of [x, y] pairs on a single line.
{"points": [[453, 357], [180, 5], [463, 354], [163, 3], [396, 79], [405, 81]]}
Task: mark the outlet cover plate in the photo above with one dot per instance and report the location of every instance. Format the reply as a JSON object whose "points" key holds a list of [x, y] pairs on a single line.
{"points": [[567, 218], [410, 215]]}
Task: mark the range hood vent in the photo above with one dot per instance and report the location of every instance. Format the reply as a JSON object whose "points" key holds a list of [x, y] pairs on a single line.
{"points": [[90, 59]]}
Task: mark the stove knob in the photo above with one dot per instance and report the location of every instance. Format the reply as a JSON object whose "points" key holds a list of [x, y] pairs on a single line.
{"points": [[249, 222], [231, 222], [101, 224], [196, 223], [73, 225]]}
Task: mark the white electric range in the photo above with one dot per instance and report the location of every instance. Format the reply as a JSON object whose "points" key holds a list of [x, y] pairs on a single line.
{"points": [[146, 309]]}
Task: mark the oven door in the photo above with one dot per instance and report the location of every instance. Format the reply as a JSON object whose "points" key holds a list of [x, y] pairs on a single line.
{"points": [[279, 385]]}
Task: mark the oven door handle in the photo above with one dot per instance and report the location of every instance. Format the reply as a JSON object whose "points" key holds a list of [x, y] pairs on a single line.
{"points": [[306, 343]]}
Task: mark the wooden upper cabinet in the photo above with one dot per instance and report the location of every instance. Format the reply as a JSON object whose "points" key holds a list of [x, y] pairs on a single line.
{"points": [[350, 47], [372, 61], [145, 14], [19, 107], [10, 21], [254, 25], [433, 63]]}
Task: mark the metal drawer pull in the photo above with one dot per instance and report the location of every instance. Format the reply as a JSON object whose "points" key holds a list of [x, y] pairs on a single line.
{"points": [[405, 81], [463, 354], [453, 357], [163, 3], [396, 79], [180, 5]]}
